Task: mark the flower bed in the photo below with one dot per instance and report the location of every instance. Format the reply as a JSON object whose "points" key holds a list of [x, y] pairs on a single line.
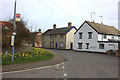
{"points": [[33, 55]]}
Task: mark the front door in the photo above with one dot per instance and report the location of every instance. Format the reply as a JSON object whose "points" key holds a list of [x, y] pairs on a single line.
{"points": [[71, 46], [56, 45]]}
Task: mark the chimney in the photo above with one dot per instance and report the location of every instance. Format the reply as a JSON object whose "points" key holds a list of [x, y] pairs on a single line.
{"points": [[39, 30], [69, 24], [54, 26], [28, 30]]}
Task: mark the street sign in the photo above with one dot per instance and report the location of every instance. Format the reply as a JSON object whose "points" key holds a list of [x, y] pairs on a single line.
{"points": [[12, 40], [17, 17]]}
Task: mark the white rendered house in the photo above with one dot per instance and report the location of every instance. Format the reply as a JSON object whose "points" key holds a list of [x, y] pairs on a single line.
{"points": [[96, 37]]}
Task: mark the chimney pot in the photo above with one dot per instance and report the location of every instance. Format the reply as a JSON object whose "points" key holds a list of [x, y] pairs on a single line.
{"points": [[40, 30], [69, 24], [54, 26]]}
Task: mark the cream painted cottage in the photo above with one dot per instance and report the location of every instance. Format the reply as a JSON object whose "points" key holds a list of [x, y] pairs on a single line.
{"points": [[96, 37]]}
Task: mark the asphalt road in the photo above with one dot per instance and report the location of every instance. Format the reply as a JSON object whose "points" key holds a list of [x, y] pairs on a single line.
{"points": [[79, 65]]}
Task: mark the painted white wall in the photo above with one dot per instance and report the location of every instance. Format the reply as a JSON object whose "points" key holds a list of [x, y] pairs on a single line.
{"points": [[101, 37], [93, 43], [70, 38], [108, 46]]}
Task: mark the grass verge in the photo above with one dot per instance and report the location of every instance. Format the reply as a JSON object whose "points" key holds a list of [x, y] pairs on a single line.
{"points": [[33, 55]]}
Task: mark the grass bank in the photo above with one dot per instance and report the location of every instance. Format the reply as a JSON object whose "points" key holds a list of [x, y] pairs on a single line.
{"points": [[33, 55]]}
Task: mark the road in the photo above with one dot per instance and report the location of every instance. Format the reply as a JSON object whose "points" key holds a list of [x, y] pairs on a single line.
{"points": [[79, 65]]}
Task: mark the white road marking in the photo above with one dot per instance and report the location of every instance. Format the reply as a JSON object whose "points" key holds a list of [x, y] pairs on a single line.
{"points": [[28, 69]]}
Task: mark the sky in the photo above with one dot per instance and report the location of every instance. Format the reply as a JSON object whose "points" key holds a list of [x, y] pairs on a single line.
{"points": [[42, 14]]}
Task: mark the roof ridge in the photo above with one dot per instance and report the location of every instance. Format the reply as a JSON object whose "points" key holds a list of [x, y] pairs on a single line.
{"points": [[100, 24]]}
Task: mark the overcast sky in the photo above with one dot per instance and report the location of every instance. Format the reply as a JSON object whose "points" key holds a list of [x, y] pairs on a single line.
{"points": [[44, 13]]}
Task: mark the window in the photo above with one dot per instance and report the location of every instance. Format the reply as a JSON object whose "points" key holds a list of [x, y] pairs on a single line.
{"points": [[112, 37], [51, 44], [55, 36], [61, 35], [80, 35], [61, 44], [51, 36], [89, 35], [87, 45], [105, 36], [44, 44], [79, 45], [101, 46], [43, 36]]}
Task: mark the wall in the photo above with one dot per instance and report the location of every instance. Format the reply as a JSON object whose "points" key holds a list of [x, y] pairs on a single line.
{"points": [[38, 40], [101, 37], [57, 40], [108, 46], [47, 40], [92, 42], [70, 38]]}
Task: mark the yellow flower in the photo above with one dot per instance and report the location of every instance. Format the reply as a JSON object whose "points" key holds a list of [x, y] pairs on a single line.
{"points": [[19, 55], [22, 54]]}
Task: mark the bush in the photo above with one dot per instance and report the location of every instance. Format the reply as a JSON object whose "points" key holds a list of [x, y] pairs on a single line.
{"points": [[22, 34]]}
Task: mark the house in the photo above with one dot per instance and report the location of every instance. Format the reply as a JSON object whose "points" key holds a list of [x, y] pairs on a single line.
{"points": [[95, 37], [36, 38], [59, 38], [7, 27]]}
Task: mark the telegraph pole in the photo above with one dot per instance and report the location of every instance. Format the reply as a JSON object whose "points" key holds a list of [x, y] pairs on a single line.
{"points": [[14, 33]]}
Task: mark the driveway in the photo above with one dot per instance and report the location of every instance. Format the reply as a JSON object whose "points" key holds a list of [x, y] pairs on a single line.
{"points": [[79, 65]]}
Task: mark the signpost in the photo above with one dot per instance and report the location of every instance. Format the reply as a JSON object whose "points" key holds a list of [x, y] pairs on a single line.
{"points": [[17, 17], [13, 36]]}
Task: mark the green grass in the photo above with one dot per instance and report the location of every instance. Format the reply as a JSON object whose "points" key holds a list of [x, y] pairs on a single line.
{"points": [[33, 55]]}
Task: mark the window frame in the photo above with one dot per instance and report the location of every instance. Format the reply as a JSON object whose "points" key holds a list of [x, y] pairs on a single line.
{"points": [[80, 35], [105, 36], [62, 44], [90, 35], [61, 36], [87, 45], [44, 44], [51, 44], [79, 45], [103, 47], [55, 36]]}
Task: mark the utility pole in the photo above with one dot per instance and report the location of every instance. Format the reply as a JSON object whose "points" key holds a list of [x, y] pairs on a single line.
{"points": [[14, 33]]}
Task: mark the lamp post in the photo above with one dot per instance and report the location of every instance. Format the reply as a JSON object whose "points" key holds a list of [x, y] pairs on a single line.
{"points": [[13, 35]]}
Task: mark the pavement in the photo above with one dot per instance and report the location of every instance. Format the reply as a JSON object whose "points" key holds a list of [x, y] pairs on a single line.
{"points": [[23, 66], [78, 65]]}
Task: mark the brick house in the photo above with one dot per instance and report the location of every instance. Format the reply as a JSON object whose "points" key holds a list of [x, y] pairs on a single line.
{"points": [[59, 38]]}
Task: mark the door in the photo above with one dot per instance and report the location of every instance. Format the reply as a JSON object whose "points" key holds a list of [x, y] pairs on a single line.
{"points": [[71, 46], [56, 45]]}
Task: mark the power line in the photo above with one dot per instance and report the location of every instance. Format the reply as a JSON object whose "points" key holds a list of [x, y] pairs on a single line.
{"points": [[63, 10]]}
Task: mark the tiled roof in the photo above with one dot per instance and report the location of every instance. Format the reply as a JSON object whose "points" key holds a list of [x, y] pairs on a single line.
{"points": [[63, 30], [103, 29]]}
